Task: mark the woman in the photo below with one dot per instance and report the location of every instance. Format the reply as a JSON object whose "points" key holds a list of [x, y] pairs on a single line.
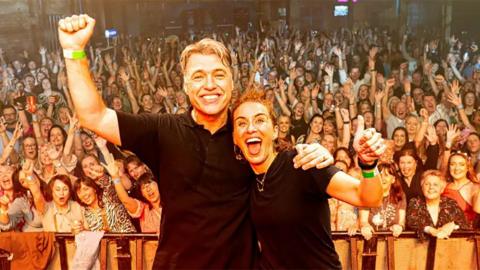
{"points": [[22, 214], [314, 132], [391, 215], [101, 212], [400, 138], [463, 185], [280, 209], [434, 214], [148, 210], [284, 128], [61, 214], [95, 191]]}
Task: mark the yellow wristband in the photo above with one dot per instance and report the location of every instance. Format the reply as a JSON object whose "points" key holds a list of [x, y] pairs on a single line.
{"points": [[74, 55]]}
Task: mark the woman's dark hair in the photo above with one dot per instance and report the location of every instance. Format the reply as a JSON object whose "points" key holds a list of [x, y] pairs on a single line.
{"points": [[408, 152], [20, 191], [317, 115], [144, 179], [404, 130], [339, 149], [64, 133], [396, 191], [89, 183], [439, 121], [62, 178], [79, 169]]}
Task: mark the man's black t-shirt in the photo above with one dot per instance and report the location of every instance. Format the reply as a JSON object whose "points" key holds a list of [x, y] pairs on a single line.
{"points": [[292, 217], [204, 191]]}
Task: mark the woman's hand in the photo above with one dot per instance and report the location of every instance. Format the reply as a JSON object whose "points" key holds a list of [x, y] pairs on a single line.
{"points": [[367, 232], [396, 230], [111, 166], [431, 135], [52, 152], [73, 123], [352, 230]]}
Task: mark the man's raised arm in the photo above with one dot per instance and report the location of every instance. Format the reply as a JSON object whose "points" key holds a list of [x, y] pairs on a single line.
{"points": [[74, 33]]}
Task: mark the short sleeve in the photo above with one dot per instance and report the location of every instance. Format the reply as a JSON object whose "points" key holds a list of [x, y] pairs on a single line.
{"points": [[323, 176], [140, 134]]}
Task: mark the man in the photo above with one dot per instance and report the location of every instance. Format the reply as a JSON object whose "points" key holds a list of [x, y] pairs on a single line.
{"points": [[204, 189]]}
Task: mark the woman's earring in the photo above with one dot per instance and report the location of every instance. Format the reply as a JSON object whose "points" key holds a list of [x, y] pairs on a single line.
{"points": [[238, 153]]}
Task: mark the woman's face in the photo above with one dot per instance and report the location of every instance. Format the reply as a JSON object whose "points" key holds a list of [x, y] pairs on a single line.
{"points": [[473, 144], [181, 98], [44, 159], [87, 142], [432, 187], [441, 129], [91, 168], [63, 114], [60, 193], [328, 128], [299, 109], [339, 98], [150, 192], [45, 126], [328, 141], [399, 138], [368, 117], [254, 132], [408, 166], [469, 99], [6, 182], [284, 124], [46, 85], [87, 195], [135, 170], [458, 167], [117, 104], [387, 180], [363, 92], [364, 107], [411, 124], [147, 102], [56, 136], [316, 125], [41, 113], [29, 148]]}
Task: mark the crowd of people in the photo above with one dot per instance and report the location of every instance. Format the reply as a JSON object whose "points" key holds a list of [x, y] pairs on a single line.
{"points": [[419, 91]]}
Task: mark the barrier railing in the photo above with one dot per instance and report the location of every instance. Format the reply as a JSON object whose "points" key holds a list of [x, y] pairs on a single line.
{"points": [[383, 251]]}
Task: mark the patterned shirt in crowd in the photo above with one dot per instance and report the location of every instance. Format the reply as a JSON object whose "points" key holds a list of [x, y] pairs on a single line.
{"points": [[382, 218], [418, 216], [113, 212]]}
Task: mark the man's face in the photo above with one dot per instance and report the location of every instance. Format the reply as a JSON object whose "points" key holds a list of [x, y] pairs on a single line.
{"points": [[17, 65], [30, 82], [10, 116], [429, 103], [355, 74], [208, 84]]}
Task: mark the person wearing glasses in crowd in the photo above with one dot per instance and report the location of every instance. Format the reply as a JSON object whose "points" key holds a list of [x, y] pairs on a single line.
{"points": [[204, 189], [290, 205]]}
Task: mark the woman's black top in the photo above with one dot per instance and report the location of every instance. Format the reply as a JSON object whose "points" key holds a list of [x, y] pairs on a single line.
{"points": [[292, 217], [414, 190]]}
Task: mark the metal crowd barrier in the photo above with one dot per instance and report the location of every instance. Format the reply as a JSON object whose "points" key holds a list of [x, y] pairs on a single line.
{"points": [[383, 251]]}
